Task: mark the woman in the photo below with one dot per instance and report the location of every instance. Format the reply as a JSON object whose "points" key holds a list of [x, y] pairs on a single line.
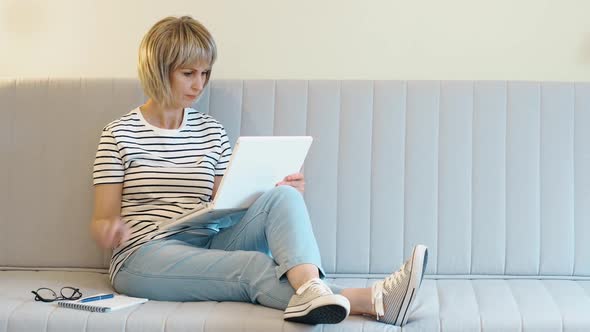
{"points": [[164, 158]]}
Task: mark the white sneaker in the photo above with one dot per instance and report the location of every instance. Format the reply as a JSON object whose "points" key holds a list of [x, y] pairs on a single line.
{"points": [[393, 296], [314, 303]]}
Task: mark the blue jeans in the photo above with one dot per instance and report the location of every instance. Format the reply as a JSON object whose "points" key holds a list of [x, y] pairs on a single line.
{"points": [[245, 261]]}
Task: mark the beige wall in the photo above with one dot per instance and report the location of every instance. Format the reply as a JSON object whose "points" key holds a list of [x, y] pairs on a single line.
{"points": [[310, 39]]}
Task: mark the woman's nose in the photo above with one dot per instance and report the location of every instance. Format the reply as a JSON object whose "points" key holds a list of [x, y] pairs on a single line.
{"points": [[198, 83]]}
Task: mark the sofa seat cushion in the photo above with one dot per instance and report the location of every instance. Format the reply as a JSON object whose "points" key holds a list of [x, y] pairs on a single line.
{"points": [[442, 304]]}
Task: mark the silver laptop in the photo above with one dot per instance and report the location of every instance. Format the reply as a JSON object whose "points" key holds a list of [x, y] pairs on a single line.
{"points": [[256, 165]]}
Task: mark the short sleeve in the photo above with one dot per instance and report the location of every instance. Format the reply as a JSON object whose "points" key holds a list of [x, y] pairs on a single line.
{"points": [[108, 165], [224, 155]]}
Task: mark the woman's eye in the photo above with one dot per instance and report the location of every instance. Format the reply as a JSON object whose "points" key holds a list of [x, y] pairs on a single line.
{"points": [[205, 73], [188, 73]]}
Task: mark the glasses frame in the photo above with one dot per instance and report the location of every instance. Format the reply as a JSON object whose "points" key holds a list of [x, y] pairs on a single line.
{"points": [[76, 294]]}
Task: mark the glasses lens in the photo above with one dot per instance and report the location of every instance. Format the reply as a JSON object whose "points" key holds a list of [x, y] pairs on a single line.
{"points": [[70, 293], [46, 294]]}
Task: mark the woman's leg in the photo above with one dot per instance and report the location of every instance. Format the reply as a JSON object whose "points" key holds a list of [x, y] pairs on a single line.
{"points": [[238, 265], [390, 299], [178, 269], [234, 265], [278, 225], [268, 227], [360, 300]]}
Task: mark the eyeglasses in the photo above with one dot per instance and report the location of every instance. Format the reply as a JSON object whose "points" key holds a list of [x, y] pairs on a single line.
{"points": [[48, 295]]}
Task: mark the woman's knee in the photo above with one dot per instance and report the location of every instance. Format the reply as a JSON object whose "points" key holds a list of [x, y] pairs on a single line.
{"points": [[285, 190], [284, 195]]}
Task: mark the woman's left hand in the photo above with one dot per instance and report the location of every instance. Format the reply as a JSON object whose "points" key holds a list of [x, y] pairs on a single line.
{"points": [[294, 180]]}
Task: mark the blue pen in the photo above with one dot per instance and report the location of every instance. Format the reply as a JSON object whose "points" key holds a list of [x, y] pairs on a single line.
{"points": [[97, 297]]}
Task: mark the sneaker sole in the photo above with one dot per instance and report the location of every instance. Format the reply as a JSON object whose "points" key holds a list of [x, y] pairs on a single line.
{"points": [[419, 258], [325, 310]]}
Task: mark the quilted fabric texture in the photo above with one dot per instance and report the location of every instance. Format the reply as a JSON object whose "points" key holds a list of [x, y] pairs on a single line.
{"points": [[494, 177]]}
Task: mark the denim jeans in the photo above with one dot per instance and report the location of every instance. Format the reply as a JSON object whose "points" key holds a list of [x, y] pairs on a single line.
{"points": [[245, 261]]}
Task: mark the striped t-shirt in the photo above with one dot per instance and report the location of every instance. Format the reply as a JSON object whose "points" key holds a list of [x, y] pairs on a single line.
{"points": [[164, 172]]}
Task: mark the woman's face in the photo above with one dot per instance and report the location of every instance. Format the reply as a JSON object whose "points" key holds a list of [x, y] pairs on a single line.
{"points": [[188, 82]]}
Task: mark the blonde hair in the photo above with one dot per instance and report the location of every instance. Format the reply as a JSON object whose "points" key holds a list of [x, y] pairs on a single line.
{"points": [[172, 43]]}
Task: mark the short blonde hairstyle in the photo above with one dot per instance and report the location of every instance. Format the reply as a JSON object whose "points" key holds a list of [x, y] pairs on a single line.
{"points": [[172, 43]]}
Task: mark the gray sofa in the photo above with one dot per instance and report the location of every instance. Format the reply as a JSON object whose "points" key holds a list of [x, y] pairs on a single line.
{"points": [[493, 176]]}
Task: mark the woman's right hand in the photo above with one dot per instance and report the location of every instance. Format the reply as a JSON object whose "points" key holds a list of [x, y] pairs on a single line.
{"points": [[109, 233]]}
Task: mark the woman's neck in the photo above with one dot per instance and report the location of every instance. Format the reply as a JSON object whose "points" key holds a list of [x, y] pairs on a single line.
{"points": [[158, 116]]}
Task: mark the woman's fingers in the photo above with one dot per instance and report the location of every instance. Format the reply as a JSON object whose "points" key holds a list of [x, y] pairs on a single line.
{"points": [[110, 234], [126, 233], [122, 233], [296, 181], [294, 177], [113, 233], [298, 184]]}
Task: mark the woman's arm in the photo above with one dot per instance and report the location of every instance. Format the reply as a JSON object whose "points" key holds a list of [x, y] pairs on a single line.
{"points": [[216, 183], [108, 230]]}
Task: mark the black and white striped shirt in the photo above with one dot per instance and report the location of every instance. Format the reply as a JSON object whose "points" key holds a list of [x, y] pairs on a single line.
{"points": [[164, 172]]}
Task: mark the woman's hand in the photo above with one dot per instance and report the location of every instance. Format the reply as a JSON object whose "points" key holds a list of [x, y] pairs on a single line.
{"points": [[109, 233], [294, 180]]}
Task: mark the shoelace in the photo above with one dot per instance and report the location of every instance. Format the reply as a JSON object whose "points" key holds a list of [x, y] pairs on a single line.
{"points": [[316, 285], [380, 288]]}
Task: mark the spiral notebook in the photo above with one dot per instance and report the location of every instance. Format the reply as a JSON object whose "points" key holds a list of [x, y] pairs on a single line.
{"points": [[115, 303]]}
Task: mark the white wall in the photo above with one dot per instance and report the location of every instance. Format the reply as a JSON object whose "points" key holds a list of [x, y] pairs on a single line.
{"points": [[310, 39]]}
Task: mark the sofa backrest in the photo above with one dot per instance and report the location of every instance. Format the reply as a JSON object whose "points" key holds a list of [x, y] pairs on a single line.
{"points": [[493, 176]]}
